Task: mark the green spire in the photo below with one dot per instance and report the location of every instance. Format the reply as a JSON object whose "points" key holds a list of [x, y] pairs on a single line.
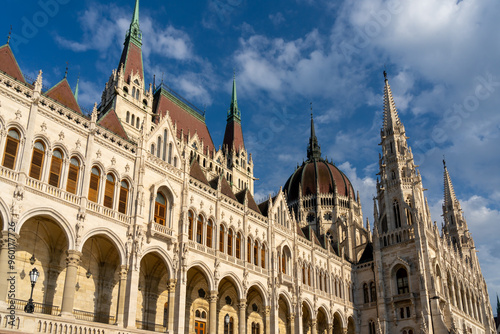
{"points": [[135, 31], [76, 89], [234, 111]]}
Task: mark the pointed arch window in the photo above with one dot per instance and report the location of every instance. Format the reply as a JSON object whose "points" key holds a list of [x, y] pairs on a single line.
{"points": [[55, 168], [397, 216], [165, 141], [221, 238], [37, 160], [209, 233], [191, 222], [170, 155], [366, 297], [128, 117], [160, 209], [137, 122], [256, 253], [371, 327], [73, 173], [11, 147], [263, 256], [199, 229], [304, 273], [409, 218], [230, 242], [373, 292], [238, 245], [283, 262], [122, 201], [249, 250], [309, 275], [402, 281], [95, 177], [109, 191], [158, 147], [133, 123]]}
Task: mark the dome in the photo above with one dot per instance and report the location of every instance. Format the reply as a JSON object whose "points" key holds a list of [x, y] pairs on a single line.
{"points": [[317, 177]]}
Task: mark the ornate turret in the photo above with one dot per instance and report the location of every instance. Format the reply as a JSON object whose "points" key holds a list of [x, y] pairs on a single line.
{"points": [[131, 59], [313, 150], [233, 137]]}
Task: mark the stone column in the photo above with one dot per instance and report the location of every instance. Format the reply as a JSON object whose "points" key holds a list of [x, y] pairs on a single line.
{"points": [[329, 330], [314, 326], [243, 316], [72, 262], [268, 319], [212, 327], [291, 320], [171, 305], [120, 311], [8, 241], [131, 298]]}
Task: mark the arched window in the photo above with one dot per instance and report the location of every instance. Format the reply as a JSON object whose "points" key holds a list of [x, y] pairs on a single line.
{"points": [[283, 262], [128, 117], [221, 238], [256, 253], [73, 173], [55, 168], [133, 122], [210, 227], [230, 242], [158, 147], [122, 200], [133, 92], [366, 297], [229, 327], [371, 327], [170, 154], [95, 177], [304, 273], [249, 250], [160, 209], [190, 229], [165, 141], [409, 218], [263, 256], [200, 321], [238, 245], [11, 146], [37, 160], [199, 230], [397, 216], [109, 191], [137, 94], [373, 292], [152, 149], [137, 122], [309, 275], [402, 281]]}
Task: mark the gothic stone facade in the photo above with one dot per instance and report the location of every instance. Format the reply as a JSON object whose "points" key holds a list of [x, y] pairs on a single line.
{"points": [[137, 223]]}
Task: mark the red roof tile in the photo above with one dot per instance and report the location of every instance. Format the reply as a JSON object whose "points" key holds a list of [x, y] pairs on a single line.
{"points": [[131, 60], [111, 122], [184, 119], [233, 136], [8, 63], [63, 94], [197, 173]]}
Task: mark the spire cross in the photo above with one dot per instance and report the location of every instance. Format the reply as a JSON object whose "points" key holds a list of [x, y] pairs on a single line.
{"points": [[66, 73], [444, 161], [10, 33]]}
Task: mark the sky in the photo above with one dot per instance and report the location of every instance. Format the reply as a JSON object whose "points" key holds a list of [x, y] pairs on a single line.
{"points": [[442, 59]]}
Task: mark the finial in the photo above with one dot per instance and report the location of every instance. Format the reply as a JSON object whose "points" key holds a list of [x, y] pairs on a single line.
{"points": [[444, 161], [385, 74], [234, 73], [311, 104], [66, 73], [10, 33]]}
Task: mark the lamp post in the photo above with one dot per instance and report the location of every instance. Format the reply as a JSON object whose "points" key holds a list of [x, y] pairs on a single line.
{"points": [[430, 309], [30, 307], [226, 322]]}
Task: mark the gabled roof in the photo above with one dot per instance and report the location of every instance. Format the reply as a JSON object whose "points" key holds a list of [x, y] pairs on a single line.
{"points": [[264, 207], [63, 94], [226, 189], [197, 173], [251, 202], [8, 63], [367, 255], [131, 61], [186, 118], [111, 122]]}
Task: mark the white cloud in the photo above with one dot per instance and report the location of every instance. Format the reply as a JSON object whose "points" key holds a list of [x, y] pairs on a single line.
{"points": [[277, 18]]}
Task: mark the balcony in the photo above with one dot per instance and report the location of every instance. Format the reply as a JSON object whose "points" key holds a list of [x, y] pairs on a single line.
{"points": [[160, 231], [150, 326], [39, 307], [286, 279]]}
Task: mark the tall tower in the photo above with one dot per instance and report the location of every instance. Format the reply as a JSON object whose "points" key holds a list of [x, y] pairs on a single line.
{"points": [[401, 227], [238, 162], [125, 94]]}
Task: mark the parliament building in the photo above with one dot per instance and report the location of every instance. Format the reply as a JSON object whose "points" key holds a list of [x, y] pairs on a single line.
{"points": [[136, 222]]}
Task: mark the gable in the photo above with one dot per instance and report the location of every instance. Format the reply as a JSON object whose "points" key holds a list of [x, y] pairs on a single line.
{"points": [[63, 94], [8, 63]]}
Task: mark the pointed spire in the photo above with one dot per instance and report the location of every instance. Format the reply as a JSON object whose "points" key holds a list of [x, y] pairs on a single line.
{"points": [[498, 307], [76, 88], [234, 111], [131, 59], [135, 30], [449, 193], [313, 150], [391, 118]]}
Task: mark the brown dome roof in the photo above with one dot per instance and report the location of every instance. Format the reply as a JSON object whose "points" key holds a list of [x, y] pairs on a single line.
{"points": [[317, 177]]}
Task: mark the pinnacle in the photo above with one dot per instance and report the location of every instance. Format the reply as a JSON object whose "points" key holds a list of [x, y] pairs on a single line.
{"points": [[391, 118], [313, 150], [449, 193]]}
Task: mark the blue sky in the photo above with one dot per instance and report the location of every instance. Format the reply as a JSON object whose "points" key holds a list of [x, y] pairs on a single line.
{"points": [[442, 58]]}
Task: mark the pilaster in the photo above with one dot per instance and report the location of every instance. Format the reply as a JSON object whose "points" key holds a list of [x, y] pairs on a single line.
{"points": [[68, 300]]}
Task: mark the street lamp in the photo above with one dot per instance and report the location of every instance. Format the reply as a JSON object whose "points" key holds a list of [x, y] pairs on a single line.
{"points": [[30, 307], [226, 322], [430, 309]]}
